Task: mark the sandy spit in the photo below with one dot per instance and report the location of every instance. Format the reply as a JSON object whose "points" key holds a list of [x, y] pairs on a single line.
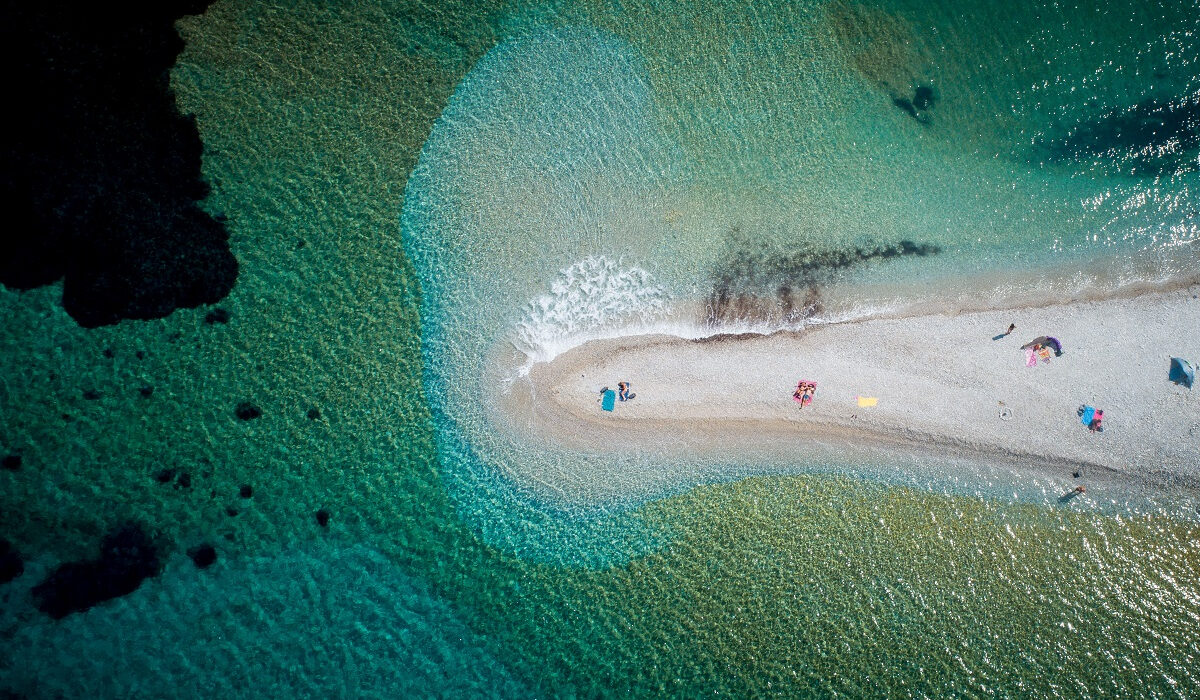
{"points": [[946, 385]]}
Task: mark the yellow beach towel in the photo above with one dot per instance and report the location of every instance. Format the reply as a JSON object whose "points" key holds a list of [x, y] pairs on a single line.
{"points": [[867, 400]]}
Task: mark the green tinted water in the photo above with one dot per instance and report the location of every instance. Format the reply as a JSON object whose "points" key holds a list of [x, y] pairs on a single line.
{"points": [[313, 118]]}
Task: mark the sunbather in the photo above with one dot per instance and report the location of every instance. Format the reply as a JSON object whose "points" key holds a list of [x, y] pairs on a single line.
{"points": [[1095, 426]]}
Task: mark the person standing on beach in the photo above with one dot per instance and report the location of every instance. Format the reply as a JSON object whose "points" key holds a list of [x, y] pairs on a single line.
{"points": [[1011, 327]]}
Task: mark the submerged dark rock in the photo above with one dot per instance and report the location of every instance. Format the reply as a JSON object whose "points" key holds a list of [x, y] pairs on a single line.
{"points": [[11, 564], [217, 316], [146, 390], [247, 411], [314, 413], [100, 170], [323, 517], [246, 491], [906, 104], [784, 286], [203, 556], [923, 97], [127, 557], [1151, 138], [164, 476], [11, 462], [91, 395]]}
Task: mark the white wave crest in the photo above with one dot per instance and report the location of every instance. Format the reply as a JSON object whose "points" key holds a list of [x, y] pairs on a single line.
{"points": [[594, 298]]}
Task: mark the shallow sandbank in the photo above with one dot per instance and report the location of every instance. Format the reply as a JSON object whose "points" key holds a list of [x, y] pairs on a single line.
{"points": [[942, 384]]}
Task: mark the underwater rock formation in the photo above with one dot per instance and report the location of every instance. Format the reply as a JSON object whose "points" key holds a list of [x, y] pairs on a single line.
{"points": [[127, 557], [11, 564], [203, 556], [1151, 138], [784, 286], [100, 170]]}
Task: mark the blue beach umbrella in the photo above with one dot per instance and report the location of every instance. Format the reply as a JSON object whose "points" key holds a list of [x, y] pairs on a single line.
{"points": [[1182, 372]]}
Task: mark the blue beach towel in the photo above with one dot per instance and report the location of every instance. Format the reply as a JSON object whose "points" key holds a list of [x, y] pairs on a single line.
{"points": [[1089, 412], [609, 400]]}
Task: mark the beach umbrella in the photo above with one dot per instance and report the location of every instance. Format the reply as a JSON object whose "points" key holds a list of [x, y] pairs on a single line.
{"points": [[1182, 372], [1045, 341]]}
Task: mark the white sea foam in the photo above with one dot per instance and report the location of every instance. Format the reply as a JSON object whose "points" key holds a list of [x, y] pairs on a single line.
{"points": [[597, 297]]}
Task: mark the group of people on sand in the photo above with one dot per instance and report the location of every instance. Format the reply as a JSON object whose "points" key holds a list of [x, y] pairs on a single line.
{"points": [[1041, 347]]}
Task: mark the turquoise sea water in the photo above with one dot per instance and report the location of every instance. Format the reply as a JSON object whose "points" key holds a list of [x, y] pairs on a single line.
{"points": [[481, 187]]}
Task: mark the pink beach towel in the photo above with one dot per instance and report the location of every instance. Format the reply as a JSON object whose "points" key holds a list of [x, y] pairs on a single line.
{"points": [[803, 400], [1030, 357]]}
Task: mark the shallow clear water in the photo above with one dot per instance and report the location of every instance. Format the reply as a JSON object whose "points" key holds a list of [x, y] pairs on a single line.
{"points": [[479, 187]]}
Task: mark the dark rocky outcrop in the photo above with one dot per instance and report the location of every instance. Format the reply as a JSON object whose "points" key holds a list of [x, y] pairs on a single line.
{"points": [[11, 564], [127, 557], [203, 556], [217, 315], [923, 98], [247, 411], [99, 170], [918, 105]]}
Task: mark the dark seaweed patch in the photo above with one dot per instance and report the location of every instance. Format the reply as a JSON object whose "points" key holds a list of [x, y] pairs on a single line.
{"points": [[127, 557], [1151, 138], [763, 285]]}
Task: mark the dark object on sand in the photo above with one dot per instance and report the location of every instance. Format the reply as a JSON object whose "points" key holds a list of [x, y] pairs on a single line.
{"points": [[247, 411], [323, 518], [127, 557], [1182, 372], [1046, 341], [11, 564], [203, 556]]}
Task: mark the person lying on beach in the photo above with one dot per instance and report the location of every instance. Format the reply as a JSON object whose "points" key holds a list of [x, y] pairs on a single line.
{"points": [[1095, 426], [623, 391], [804, 393]]}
